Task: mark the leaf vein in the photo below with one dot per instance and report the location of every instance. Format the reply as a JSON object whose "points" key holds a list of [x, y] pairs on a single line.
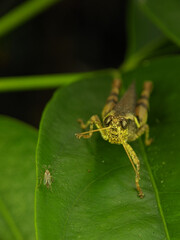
{"points": [[155, 190]]}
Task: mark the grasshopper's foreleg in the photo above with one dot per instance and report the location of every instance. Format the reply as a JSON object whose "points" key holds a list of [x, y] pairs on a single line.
{"points": [[134, 161], [94, 120]]}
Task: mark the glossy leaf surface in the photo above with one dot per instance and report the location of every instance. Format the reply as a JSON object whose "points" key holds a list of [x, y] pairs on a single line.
{"points": [[17, 179], [143, 34], [93, 193]]}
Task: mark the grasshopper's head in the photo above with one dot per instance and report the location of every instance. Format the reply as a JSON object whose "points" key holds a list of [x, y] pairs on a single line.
{"points": [[117, 130]]}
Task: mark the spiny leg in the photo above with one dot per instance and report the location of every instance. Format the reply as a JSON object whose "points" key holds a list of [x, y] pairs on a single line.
{"points": [[93, 120], [113, 97], [133, 158]]}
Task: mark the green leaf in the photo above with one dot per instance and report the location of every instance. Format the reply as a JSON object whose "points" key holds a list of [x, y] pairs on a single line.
{"points": [[93, 193], [17, 151], [141, 31], [165, 14], [143, 37]]}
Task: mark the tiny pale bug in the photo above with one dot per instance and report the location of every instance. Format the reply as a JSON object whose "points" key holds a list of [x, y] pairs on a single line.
{"points": [[47, 179]]}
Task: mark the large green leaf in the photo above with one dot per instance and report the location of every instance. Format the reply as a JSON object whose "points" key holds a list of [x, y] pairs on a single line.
{"points": [[145, 39], [17, 164], [163, 154], [165, 15], [143, 35], [93, 192]]}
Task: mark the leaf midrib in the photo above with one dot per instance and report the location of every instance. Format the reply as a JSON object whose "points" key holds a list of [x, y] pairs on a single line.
{"points": [[155, 189], [153, 184]]}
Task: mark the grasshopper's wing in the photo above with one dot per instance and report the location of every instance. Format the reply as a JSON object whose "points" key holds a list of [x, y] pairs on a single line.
{"points": [[127, 104]]}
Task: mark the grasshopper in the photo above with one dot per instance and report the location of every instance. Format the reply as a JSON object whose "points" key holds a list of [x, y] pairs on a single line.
{"points": [[123, 121]]}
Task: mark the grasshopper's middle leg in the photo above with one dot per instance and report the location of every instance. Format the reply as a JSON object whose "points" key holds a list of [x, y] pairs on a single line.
{"points": [[135, 161], [93, 120], [143, 129]]}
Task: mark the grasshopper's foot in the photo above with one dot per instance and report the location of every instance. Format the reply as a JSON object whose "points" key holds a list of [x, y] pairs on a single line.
{"points": [[78, 135], [82, 124], [141, 194], [148, 141]]}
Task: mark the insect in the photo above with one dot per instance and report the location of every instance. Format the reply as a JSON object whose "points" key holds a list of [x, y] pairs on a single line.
{"points": [[47, 178], [123, 121]]}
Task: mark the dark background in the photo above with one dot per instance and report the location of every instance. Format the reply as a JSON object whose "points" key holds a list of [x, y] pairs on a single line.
{"points": [[71, 36]]}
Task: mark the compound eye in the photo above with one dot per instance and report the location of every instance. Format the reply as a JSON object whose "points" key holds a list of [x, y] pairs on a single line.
{"points": [[107, 121], [124, 124]]}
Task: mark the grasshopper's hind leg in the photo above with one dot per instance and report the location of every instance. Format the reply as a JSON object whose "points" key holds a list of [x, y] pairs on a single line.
{"points": [[93, 120], [135, 162], [142, 111], [113, 97]]}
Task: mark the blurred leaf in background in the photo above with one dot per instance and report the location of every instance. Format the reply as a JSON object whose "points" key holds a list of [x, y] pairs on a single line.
{"points": [[165, 14], [17, 179]]}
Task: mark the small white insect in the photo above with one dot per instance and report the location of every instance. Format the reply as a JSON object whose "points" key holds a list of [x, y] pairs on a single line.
{"points": [[47, 179]]}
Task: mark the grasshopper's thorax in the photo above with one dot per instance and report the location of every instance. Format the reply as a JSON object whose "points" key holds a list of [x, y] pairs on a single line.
{"points": [[118, 129]]}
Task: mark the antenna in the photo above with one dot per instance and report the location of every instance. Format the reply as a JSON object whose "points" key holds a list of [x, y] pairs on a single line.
{"points": [[79, 135]]}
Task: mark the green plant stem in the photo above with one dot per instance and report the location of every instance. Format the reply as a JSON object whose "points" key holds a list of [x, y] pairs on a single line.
{"points": [[46, 81], [22, 13], [134, 60]]}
